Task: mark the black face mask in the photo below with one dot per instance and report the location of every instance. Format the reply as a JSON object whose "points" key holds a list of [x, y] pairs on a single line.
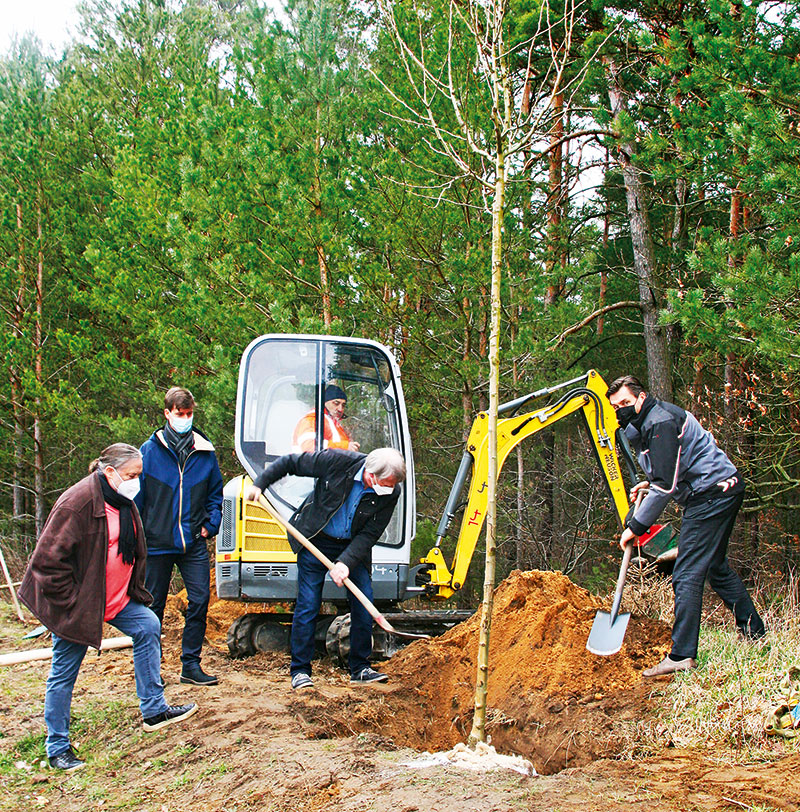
{"points": [[625, 415]]}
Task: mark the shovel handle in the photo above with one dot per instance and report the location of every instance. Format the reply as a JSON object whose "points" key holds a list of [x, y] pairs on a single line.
{"points": [[267, 504], [626, 560], [320, 556], [623, 572]]}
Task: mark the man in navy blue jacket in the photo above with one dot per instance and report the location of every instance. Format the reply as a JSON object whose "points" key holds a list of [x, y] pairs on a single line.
{"points": [[683, 462], [181, 506]]}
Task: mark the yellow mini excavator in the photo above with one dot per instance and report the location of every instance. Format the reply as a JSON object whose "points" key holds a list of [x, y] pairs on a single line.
{"points": [[283, 380]]}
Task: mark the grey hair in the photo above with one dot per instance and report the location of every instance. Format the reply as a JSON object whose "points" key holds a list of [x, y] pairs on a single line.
{"points": [[115, 456], [386, 463]]}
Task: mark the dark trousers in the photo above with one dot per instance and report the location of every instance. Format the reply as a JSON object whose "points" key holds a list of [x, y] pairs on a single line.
{"points": [[194, 568], [702, 553], [310, 578]]}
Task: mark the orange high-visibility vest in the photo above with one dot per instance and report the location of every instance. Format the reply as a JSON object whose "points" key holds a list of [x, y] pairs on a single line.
{"points": [[305, 434]]}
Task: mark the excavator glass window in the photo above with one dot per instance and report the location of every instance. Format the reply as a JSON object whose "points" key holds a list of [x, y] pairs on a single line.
{"points": [[308, 394]]}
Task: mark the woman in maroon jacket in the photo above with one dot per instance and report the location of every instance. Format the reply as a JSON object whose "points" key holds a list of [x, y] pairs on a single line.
{"points": [[88, 567]]}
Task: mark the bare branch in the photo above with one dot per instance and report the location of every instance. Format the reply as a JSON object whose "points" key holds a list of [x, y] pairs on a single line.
{"points": [[559, 340]]}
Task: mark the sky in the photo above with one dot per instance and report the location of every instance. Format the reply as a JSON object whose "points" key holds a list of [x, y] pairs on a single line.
{"points": [[50, 20]]}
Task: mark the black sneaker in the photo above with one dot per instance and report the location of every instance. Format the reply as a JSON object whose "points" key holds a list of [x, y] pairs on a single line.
{"points": [[367, 675], [66, 761], [194, 675], [173, 713], [301, 680]]}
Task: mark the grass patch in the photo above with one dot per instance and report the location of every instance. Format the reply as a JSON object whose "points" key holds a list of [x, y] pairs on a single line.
{"points": [[726, 702], [102, 726], [221, 768], [183, 750], [180, 781], [29, 749]]}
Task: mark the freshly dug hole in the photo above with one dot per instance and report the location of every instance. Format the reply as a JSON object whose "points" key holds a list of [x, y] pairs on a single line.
{"points": [[550, 700]]}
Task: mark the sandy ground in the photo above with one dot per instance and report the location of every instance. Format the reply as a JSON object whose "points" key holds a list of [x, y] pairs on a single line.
{"points": [[254, 745]]}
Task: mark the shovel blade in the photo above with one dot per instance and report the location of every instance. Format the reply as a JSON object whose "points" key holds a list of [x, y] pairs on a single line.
{"points": [[606, 637]]}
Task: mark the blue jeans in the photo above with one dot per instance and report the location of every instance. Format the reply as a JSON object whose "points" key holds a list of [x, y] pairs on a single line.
{"points": [[310, 578], [135, 620], [702, 553], [194, 568]]}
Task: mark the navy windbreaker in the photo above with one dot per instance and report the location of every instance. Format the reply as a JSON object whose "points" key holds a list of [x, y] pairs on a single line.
{"points": [[176, 504]]}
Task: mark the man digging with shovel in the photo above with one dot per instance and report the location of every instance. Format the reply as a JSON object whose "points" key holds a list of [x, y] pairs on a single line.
{"points": [[352, 502], [682, 462]]}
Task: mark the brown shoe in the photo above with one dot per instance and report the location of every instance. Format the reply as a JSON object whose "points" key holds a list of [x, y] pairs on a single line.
{"points": [[667, 666]]}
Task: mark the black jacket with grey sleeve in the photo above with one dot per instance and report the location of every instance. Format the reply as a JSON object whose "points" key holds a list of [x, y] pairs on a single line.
{"points": [[680, 459], [334, 471]]}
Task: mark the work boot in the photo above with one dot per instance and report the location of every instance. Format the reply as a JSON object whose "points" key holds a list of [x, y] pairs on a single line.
{"points": [[668, 666], [194, 675]]}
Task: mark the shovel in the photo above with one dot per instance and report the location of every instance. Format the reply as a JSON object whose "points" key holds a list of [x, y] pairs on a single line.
{"points": [[320, 556], [608, 629]]}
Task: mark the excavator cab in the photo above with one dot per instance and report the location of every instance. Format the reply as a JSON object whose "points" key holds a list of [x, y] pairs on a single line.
{"points": [[300, 393]]}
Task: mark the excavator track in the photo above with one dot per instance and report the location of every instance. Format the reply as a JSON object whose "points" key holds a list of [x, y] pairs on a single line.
{"points": [[268, 631]]}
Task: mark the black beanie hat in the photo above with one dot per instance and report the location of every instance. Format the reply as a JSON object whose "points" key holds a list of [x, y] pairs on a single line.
{"points": [[334, 392]]}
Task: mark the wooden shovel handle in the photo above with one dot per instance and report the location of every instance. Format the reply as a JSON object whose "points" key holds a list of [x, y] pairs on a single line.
{"points": [[626, 560], [320, 556]]}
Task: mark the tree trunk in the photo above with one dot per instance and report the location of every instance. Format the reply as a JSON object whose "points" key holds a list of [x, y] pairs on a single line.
{"points": [[501, 115], [678, 246], [731, 399], [556, 269], [324, 276], [519, 542], [16, 387], [556, 256], [659, 373], [483, 342], [604, 273], [38, 454], [466, 392], [478, 732]]}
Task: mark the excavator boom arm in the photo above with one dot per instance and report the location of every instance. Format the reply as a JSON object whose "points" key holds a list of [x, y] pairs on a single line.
{"points": [[601, 423]]}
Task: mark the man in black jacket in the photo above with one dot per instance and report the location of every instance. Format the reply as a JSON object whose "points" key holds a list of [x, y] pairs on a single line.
{"points": [[683, 462], [352, 502]]}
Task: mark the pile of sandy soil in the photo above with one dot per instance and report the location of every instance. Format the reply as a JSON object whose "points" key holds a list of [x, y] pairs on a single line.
{"points": [[550, 700], [540, 624]]}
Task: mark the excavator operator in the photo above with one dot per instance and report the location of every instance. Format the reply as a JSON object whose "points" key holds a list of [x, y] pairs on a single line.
{"points": [[334, 434]]}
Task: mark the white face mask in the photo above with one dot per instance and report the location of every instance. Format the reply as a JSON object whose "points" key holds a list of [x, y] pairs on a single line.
{"points": [[128, 488], [181, 424], [382, 490]]}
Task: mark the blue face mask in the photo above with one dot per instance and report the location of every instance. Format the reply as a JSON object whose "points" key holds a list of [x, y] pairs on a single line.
{"points": [[180, 424]]}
